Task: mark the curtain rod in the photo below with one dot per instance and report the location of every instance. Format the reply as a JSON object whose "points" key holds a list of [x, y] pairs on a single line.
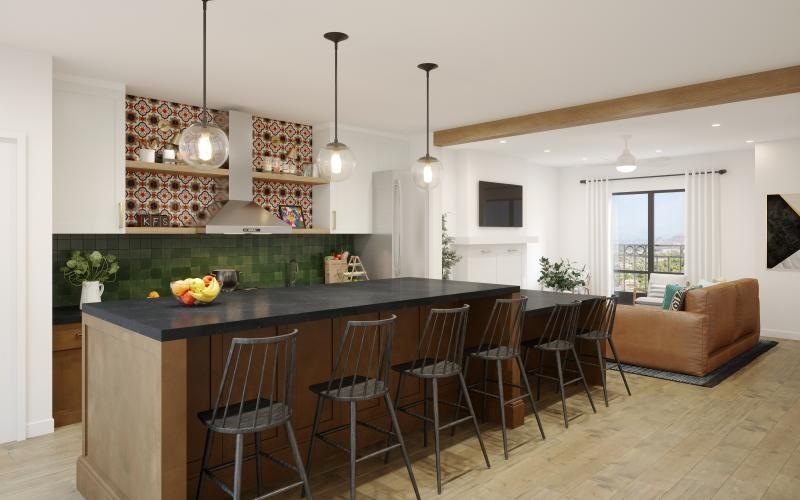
{"points": [[720, 172]]}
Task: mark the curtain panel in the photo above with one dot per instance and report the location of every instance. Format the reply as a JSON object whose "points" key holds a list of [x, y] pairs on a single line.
{"points": [[598, 217], [702, 226]]}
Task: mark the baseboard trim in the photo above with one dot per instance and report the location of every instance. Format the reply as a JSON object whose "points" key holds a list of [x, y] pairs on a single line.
{"points": [[45, 426], [781, 334], [91, 484]]}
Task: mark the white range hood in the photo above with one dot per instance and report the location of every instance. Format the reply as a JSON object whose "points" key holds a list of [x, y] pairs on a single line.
{"points": [[240, 215]]}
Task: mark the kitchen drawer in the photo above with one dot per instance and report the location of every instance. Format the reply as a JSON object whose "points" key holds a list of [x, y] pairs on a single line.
{"points": [[67, 336]]}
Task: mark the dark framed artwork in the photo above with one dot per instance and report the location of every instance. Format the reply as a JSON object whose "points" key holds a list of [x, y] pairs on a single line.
{"points": [[293, 215], [783, 232]]}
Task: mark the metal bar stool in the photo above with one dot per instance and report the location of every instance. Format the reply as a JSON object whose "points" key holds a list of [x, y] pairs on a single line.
{"points": [[360, 373], [501, 342], [439, 356], [263, 410], [558, 336], [599, 327]]}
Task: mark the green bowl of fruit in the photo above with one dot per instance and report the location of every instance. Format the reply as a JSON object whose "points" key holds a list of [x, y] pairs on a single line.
{"points": [[195, 291]]}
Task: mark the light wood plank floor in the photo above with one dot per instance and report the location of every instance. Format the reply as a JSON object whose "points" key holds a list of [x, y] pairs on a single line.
{"points": [[669, 440]]}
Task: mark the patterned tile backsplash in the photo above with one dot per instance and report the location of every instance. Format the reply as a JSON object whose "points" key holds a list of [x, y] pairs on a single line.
{"points": [[190, 200], [150, 262]]}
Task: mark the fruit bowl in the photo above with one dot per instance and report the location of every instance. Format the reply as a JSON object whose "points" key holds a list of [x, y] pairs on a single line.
{"points": [[195, 291]]}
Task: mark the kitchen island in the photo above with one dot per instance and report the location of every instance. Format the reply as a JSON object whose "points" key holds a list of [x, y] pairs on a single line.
{"points": [[151, 365]]}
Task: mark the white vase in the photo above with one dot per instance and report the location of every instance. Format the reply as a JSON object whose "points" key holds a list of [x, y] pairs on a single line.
{"points": [[146, 155], [91, 291]]}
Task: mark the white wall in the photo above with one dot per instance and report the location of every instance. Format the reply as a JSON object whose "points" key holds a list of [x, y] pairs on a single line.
{"points": [[26, 106], [777, 171], [736, 202], [540, 198]]}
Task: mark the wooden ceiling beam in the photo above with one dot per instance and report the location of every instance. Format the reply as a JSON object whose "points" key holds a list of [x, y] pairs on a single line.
{"points": [[738, 88]]}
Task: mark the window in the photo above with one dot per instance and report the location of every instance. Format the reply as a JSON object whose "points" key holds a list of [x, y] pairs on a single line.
{"points": [[647, 235]]}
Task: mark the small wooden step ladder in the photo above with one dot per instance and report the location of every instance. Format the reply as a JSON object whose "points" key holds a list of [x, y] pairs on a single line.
{"points": [[355, 270]]}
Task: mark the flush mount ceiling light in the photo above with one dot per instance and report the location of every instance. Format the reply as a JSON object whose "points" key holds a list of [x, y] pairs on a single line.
{"points": [[626, 163], [716, 124], [204, 145], [503, 141], [336, 160], [427, 171]]}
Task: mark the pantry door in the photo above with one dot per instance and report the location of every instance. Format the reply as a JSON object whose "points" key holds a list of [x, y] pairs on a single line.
{"points": [[12, 298]]}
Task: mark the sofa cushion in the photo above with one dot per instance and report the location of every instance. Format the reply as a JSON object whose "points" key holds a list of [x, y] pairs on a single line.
{"points": [[669, 293], [649, 301]]}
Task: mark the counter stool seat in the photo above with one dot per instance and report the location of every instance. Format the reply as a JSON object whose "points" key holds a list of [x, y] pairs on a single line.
{"points": [[257, 415], [501, 353], [353, 388], [428, 368]]}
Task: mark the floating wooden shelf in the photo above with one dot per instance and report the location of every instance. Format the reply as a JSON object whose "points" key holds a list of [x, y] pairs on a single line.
{"points": [[183, 169], [202, 230], [174, 168], [293, 179]]}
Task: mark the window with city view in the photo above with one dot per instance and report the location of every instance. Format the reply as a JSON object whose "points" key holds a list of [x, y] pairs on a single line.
{"points": [[647, 235]]}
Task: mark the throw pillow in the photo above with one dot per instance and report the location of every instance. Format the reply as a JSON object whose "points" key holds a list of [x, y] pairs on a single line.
{"points": [[677, 299], [669, 291]]}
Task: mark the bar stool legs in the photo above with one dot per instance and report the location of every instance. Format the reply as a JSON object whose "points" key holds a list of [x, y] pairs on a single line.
{"points": [[314, 431], [619, 367], [352, 450], [399, 436]]}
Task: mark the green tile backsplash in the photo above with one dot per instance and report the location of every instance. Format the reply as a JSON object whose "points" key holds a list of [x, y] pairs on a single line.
{"points": [[150, 262]]}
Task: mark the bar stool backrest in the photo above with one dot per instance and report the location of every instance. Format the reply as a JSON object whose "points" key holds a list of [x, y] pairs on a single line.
{"points": [[442, 340], [257, 372], [364, 354], [562, 325], [601, 315], [504, 328]]}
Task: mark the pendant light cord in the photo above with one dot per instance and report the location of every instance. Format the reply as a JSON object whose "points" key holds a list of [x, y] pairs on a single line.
{"points": [[204, 118], [335, 91], [427, 114]]}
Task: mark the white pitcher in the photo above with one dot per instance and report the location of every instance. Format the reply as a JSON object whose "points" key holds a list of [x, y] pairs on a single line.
{"points": [[91, 291]]}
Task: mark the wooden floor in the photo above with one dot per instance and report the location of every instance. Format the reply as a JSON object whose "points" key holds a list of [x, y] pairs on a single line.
{"points": [[669, 440]]}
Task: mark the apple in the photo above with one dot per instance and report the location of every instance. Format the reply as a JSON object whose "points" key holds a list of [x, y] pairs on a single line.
{"points": [[187, 298]]}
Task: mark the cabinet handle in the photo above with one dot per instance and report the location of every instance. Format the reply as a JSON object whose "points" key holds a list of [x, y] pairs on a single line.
{"points": [[512, 250], [79, 334], [333, 220], [122, 214]]}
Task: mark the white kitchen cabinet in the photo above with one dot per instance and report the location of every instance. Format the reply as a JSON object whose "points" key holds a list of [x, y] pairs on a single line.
{"points": [[346, 207], [88, 155], [501, 264]]}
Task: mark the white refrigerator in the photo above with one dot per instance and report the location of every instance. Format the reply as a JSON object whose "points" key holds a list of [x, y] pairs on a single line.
{"points": [[396, 248]]}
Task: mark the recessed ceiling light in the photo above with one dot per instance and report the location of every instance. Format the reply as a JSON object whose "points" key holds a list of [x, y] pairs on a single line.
{"points": [[716, 124], [658, 150], [546, 150], [503, 141], [584, 158], [749, 141]]}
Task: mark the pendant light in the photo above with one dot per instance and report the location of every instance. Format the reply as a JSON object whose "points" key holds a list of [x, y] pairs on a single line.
{"points": [[626, 163], [336, 160], [204, 145], [427, 171]]}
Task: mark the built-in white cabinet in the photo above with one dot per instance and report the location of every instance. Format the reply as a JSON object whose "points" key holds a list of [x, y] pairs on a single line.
{"points": [[502, 264], [346, 207], [88, 155]]}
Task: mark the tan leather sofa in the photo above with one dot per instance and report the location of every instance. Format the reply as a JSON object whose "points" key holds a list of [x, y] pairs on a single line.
{"points": [[718, 323]]}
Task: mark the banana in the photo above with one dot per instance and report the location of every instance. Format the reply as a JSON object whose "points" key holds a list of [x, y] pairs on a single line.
{"points": [[209, 293]]}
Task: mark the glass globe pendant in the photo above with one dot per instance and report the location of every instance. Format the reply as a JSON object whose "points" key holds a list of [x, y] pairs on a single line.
{"points": [[336, 160], [427, 171], [204, 145]]}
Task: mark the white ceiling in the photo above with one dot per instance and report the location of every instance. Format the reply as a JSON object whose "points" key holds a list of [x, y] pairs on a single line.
{"points": [[658, 136], [497, 59]]}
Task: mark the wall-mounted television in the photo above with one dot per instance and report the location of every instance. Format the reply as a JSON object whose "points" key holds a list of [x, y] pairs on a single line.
{"points": [[499, 205]]}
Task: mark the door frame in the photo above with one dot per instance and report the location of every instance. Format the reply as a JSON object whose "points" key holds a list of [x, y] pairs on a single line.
{"points": [[20, 140]]}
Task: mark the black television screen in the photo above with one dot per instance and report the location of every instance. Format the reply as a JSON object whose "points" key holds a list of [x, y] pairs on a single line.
{"points": [[499, 205]]}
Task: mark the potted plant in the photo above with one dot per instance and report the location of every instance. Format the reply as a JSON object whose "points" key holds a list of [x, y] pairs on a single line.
{"points": [[449, 256], [561, 276], [90, 272]]}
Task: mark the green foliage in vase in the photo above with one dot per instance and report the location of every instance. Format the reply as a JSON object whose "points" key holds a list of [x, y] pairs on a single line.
{"points": [[561, 275], [92, 266], [449, 256]]}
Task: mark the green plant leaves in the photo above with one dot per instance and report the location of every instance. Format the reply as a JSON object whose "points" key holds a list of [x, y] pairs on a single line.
{"points": [[93, 266]]}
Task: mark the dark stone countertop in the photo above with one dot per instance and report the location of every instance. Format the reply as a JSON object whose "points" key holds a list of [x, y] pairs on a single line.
{"points": [[165, 319], [63, 315], [541, 302]]}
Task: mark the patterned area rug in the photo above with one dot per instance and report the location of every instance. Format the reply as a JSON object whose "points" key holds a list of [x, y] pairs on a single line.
{"points": [[712, 378]]}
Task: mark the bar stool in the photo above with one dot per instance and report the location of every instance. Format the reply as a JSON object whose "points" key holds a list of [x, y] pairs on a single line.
{"points": [[599, 327], [558, 336], [501, 342], [439, 355], [360, 373], [265, 411]]}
